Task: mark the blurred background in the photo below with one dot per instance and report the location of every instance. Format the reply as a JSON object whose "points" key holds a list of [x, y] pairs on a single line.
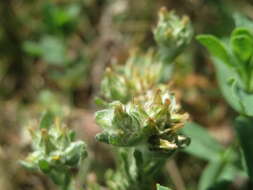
{"points": [[53, 54]]}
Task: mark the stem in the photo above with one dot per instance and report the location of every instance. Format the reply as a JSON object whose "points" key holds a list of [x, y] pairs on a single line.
{"points": [[175, 175], [64, 187], [248, 82], [69, 186]]}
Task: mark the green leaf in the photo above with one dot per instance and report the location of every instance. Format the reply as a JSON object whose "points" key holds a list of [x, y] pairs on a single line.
{"points": [[202, 144], [244, 129], [223, 168], [234, 92], [53, 50], [215, 47], [242, 43], [210, 174], [216, 172], [159, 187], [59, 178], [225, 75], [27, 165], [47, 120], [75, 152], [238, 99], [72, 135], [100, 102], [241, 31], [246, 101], [221, 185], [104, 118], [32, 48], [44, 166]]}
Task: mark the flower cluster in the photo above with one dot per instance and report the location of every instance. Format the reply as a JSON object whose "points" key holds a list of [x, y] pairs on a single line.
{"points": [[141, 116], [56, 153], [153, 119], [140, 73]]}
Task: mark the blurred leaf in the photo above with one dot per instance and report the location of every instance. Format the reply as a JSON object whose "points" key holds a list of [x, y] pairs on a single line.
{"points": [[202, 144], [60, 19], [73, 75], [210, 174], [73, 11], [27, 165], [238, 99], [52, 101], [223, 168], [233, 74], [214, 173], [53, 50], [222, 185], [59, 178], [244, 129], [44, 166], [242, 43], [47, 120], [215, 47], [75, 153], [159, 187], [32, 48], [100, 102], [72, 135]]}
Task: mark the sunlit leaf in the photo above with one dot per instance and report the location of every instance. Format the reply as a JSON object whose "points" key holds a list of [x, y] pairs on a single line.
{"points": [[215, 47], [159, 187]]}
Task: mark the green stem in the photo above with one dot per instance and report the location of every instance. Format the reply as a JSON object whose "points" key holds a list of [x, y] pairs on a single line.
{"points": [[69, 186]]}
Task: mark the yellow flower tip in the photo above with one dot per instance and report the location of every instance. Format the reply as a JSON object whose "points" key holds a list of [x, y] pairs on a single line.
{"points": [[157, 97], [181, 138], [151, 122], [177, 127], [31, 131], [56, 157], [119, 109], [164, 144], [108, 70], [168, 32], [44, 132], [57, 122], [185, 20], [162, 11], [185, 116]]}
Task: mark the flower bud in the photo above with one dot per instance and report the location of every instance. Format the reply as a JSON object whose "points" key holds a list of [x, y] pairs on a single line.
{"points": [[74, 153], [172, 33], [55, 151], [120, 124]]}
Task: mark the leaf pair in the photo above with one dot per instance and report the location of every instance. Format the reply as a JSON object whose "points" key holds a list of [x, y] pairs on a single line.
{"points": [[233, 63], [221, 162]]}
